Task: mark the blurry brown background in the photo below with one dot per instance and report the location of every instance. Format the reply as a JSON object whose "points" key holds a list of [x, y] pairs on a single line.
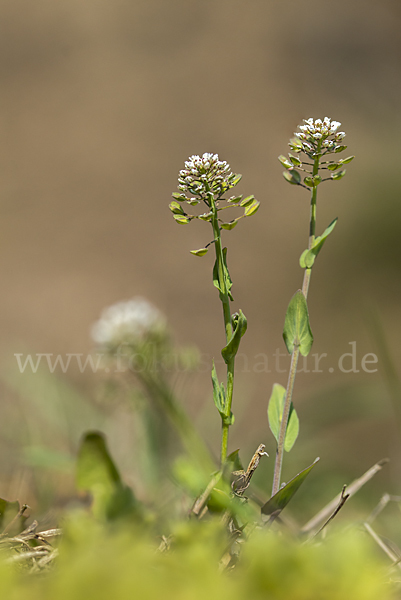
{"points": [[101, 103]]}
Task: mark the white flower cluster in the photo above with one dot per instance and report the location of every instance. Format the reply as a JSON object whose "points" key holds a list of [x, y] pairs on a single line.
{"points": [[316, 130], [203, 173], [127, 322]]}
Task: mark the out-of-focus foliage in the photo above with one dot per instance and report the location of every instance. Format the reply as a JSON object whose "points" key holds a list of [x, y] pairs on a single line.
{"points": [[124, 563]]}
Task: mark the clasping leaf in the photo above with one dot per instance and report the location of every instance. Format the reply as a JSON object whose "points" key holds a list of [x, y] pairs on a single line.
{"points": [[275, 415], [297, 331]]}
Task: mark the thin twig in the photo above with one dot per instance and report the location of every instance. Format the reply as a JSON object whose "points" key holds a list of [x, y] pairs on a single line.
{"points": [[354, 487], [382, 545], [201, 501], [344, 497], [385, 499]]}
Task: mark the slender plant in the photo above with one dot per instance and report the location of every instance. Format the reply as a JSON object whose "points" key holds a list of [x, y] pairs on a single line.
{"points": [[207, 180], [316, 140]]}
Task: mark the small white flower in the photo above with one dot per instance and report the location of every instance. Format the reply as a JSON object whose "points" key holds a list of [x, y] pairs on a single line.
{"points": [[334, 126]]}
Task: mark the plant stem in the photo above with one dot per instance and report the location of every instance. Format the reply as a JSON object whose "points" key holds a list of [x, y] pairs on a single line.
{"points": [[287, 405], [225, 300], [295, 354], [163, 396]]}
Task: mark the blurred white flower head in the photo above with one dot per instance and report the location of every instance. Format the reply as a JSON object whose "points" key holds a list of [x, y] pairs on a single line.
{"points": [[128, 322]]}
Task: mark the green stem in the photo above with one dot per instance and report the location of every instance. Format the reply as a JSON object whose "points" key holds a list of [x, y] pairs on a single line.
{"points": [[286, 412], [225, 300], [295, 354], [162, 395]]}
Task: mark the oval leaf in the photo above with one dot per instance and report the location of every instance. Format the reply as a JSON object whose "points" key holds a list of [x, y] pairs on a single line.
{"points": [[250, 210], [302, 258], [200, 252], [338, 175], [285, 162], [295, 160], [176, 208], [229, 225], [180, 197], [182, 219], [275, 415], [340, 149], [297, 331], [292, 176], [205, 216], [247, 201], [345, 161]]}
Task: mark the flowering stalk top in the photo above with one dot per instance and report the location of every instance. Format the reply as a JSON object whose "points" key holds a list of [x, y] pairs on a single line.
{"points": [[206, 175], [206, 179], [316, 139]]}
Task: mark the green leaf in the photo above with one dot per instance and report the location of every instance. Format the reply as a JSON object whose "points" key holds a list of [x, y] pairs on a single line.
{"points": [[176, 208], [97, 474], [275, 415], [234, 199], [229, 282], [275, 505], [307, 258], [285, 162], [247, 201], [11, 517], [193, 202], [302, 258], [295, 161], [205, 216], [339, 174], [236, 179], [292, 176], [179, 196], [216, 279], [295, 144], [219, 500], [226, 275], [250, 210], [219, 394], [239, 326], [200, 252], [297, 331], [347, 160], [229, 225], [340, 148], [182, 220], [333, 166], [234, 462]]}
